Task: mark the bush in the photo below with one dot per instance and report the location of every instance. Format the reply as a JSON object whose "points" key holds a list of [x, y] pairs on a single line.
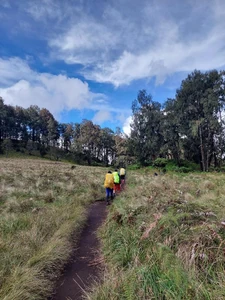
{"points": [[43, 150], [184, 167], [7, 146], [191, 165], [160, 162], [171, 165], [217, 169], [183, 170], [134, 167]]}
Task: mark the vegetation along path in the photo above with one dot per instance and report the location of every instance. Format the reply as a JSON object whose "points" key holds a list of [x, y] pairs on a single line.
{"points": [[84, 268]]}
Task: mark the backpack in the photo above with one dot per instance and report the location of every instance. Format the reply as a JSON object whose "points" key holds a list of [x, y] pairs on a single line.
{"points": [[109, 181], [116, 177], [122, 171]]}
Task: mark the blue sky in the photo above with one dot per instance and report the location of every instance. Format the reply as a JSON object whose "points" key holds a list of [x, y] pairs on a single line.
{"points": [[87, 59]]}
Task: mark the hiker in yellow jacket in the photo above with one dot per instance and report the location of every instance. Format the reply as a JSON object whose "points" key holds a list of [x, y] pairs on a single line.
{"points": [[108, 184]]}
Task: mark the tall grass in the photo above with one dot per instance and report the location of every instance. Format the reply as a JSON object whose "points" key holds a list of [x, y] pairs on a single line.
{"points": [[41, 205], [163, 239]]}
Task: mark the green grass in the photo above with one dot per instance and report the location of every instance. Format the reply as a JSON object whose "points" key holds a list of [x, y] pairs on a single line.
{"points": [[163, 238], [43, 208]]}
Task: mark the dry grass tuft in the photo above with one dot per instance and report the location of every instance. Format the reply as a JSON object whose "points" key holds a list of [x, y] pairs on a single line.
{"points": [[208, 185]]}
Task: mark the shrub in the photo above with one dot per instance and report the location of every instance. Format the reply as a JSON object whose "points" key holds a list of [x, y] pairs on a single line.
{"points": [[183, 170], [191, 165], [160, 162], [184, 167], [134, 167], [43, 150], [171, 165], [7, 145]]}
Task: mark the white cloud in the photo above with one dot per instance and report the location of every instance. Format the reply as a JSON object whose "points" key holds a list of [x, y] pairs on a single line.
{"points": [[168, 59], [102, 116], [91, 39], [126, 126], [54, 92], [84, 43], [42, 9], [120, 46], [115, 42], [54, 11], [13, 69]]}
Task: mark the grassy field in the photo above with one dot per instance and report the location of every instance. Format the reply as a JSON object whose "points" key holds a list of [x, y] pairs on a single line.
{"points": [[164, 239], [41, 204]]}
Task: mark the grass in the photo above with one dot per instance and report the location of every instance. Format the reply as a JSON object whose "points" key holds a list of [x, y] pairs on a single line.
{"points": [[163, 238], [42, 208]]}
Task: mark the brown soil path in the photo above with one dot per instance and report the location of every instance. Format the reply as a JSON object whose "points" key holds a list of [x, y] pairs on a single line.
{"points": [[82, 271]]}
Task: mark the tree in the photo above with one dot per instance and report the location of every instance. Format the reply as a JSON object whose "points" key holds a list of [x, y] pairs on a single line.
{"points": [[2, 119], [89, 136], [20, 124], [30, 147], [53, 131], [120, 156], [46, 122], [7, 145], [198, 104], [67, 136], [170, 125], [106, 145], [9, 122], [146, 129], [34, 122]]}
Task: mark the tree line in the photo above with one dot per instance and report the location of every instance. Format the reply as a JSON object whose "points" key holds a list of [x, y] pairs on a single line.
{"points": [[36, 129], [190, 126]]}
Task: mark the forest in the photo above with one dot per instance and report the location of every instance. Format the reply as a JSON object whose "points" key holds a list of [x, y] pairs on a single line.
{"points": [[36, 131], [189, 127]]}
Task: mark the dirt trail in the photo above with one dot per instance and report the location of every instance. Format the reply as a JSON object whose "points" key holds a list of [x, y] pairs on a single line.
{"points": [[80, 273]]}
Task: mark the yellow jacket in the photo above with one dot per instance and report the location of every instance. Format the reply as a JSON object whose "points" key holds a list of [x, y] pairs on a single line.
{"points": [[109, 181]]}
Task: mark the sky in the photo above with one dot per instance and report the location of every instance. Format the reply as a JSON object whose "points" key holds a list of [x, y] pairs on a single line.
{"points": [[87, 59]]}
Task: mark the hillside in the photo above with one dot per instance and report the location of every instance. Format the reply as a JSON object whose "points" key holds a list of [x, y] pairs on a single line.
{"points": [[163, 238]]}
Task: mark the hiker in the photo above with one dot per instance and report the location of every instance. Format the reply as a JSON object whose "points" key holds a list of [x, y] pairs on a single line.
{"points": [[109, 184], [116, 177], [122, 176]]}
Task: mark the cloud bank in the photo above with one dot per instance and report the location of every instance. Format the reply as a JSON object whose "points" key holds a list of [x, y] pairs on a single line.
{"points": [[119, 46], [20, 85], [116, 42]]}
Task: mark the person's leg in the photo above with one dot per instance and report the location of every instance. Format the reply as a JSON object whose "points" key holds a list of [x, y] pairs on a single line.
{"points": [[107, 194], [111, 194], [117, 187], [122, 181], [114, 189], [122, 184]]}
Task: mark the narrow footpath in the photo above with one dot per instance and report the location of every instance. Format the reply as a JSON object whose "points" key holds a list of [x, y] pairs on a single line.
{"points": [[84, 268]]}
